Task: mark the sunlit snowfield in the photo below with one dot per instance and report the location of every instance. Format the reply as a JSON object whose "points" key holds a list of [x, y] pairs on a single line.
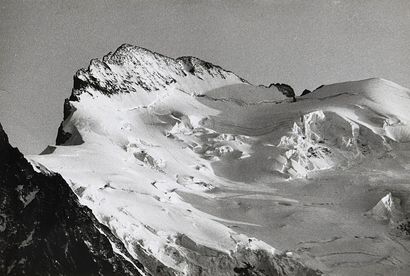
{"points": [[325, 217], [189, 163]]}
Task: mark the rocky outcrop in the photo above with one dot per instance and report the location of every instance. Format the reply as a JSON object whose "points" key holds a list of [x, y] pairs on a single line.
{"points": [[317, 88], [286, 89], [45, 231], [305, 92]]}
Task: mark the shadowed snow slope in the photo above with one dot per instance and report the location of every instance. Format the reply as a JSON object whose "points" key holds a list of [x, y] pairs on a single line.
{"points": [[140, 127]]}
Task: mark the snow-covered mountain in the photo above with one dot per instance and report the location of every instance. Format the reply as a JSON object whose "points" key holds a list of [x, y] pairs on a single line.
{"points": [[132, 138], [152, 144]]}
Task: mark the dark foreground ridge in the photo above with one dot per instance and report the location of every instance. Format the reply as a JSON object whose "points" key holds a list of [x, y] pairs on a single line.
{"points": [[45, 231]]}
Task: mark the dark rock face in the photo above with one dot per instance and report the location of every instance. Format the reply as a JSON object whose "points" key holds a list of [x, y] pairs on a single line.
{"points": [[285, 89], [45, 231], [320, 86], [62, 136], [305, 92]]}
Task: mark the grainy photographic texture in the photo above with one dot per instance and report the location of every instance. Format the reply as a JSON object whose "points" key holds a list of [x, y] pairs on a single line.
{"points": [[204, 138]]}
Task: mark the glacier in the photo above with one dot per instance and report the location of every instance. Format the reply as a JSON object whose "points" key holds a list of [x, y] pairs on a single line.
{"points": [[162, 149]]}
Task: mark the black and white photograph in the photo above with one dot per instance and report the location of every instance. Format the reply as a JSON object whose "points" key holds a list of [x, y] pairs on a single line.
{"points": [[204, 137]]}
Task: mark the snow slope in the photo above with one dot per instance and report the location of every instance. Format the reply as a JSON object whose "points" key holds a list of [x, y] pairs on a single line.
{"points": [[140, 129], [45, 231]]}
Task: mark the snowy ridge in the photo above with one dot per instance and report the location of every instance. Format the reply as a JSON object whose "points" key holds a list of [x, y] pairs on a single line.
{"points": [[135, 69], [141, 129]]}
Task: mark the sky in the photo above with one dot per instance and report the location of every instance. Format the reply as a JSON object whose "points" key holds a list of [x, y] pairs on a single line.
{"points": [[302, 43]]}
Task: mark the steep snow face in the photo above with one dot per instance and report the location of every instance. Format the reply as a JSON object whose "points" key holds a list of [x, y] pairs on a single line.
{"points": [[45, 231], [141, 128]]}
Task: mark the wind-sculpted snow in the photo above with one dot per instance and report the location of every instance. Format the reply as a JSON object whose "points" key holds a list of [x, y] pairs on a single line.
{"points": [[142, 130]]}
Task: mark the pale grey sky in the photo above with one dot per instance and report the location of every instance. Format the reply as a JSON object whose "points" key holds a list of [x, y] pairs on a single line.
{"points": [[303, 43]]}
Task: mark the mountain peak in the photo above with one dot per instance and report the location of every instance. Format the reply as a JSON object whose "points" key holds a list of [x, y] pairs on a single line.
{"points": [[132, 69], [127, 52]]}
